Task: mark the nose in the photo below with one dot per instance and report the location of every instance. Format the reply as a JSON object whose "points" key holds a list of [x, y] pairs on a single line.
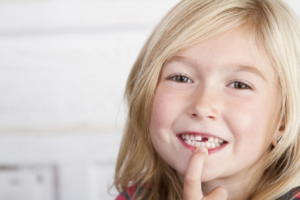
{"points": [[205, 104]]}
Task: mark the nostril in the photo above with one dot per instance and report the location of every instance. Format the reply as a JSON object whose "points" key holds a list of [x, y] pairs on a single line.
{"points": [[201, 117]]}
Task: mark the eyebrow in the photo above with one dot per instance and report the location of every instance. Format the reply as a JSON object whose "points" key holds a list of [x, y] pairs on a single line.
{"points": [[254, 70], [231, 66]]}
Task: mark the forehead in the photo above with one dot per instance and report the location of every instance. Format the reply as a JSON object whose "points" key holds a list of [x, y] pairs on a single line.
{"points": [[235, 48]]}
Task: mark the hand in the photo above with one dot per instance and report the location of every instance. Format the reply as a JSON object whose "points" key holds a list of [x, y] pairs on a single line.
{"points": [[192, 180]]}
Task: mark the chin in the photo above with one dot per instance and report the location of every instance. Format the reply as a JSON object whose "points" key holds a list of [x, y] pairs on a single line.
{"points": [[207, 179], [209, 176]]}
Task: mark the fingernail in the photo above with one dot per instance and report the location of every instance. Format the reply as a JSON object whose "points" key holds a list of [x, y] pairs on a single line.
{"points": [[202, 149]]}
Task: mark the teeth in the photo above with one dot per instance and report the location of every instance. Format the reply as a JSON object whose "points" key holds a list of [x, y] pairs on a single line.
{"points": [[199, 138], [213, 145], [207, 144], [196, 141], [193, 142]]}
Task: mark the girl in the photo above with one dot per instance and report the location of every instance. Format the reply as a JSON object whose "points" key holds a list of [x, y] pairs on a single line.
{"points": [[214, 105]]}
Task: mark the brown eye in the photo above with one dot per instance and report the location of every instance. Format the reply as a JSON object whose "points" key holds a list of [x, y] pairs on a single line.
{"points": [[239, 85], [180, 78]]}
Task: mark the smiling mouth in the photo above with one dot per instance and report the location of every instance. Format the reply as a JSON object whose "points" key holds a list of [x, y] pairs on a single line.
{"points": [[202, 141]]}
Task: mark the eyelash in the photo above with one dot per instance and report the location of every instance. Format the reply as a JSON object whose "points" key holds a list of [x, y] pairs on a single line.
{"points": [[240, 85], [179, 78], [183, 78]]}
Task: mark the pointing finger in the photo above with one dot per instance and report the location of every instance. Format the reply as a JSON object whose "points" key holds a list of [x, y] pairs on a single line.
{"points": [[192, 179]]}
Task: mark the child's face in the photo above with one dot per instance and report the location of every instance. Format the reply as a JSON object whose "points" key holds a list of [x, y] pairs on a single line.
{"points": [[218, 88]]}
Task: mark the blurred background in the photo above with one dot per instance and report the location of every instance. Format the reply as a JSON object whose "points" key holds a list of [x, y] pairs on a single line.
{"points": [[63, 69]]}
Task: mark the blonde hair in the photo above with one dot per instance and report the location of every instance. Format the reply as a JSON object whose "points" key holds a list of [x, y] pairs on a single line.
{"points": [[274, 27]]}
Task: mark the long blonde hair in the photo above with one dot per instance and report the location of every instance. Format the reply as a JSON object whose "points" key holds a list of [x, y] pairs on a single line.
{"points": [[274, 27]]}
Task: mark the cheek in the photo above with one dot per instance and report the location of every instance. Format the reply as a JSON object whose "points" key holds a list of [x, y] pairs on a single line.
{"points": [[165, 108], [160, 116], [252, 122]]}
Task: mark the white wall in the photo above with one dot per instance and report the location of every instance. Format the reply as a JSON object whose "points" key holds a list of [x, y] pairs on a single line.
{"points": [[64, 63], [63, 68]]}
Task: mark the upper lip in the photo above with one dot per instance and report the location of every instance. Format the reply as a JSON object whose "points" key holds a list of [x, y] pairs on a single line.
{"points": [[202, 134]]}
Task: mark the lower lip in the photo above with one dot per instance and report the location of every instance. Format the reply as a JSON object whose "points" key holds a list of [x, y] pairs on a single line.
{"points": [[210, 151]]}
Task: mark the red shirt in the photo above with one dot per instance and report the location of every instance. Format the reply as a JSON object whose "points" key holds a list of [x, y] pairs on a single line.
{"points": [[131, 194]]}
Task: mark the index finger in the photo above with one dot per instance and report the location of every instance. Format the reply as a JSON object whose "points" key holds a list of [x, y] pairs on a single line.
{"points": [[192, 180]]}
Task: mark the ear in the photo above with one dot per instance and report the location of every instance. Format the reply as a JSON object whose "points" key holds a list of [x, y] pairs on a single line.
{"points": [[278, 135]]}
